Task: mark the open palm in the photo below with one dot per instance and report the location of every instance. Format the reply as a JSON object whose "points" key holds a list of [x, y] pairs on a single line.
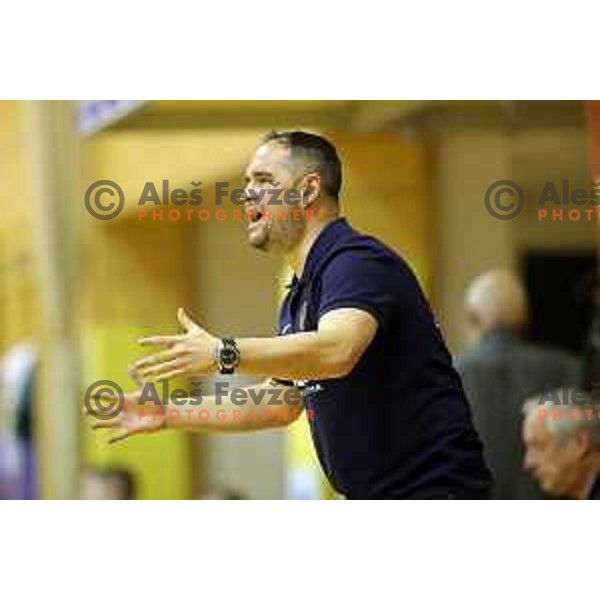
{"points": [[134, 417]]}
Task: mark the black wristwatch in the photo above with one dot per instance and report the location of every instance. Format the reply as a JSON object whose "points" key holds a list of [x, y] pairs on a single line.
{"points": [[228, 356]]}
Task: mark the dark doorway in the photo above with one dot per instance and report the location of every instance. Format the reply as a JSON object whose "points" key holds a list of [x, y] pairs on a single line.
{"points": [[560, 293]]}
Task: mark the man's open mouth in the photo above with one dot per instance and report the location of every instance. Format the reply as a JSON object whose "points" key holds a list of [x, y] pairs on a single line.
{"points": [[255, 214]]}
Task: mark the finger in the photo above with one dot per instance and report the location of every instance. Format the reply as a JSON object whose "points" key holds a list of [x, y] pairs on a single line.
{"points": [[131, 398], [165, 367], [171, 374], [161, 357], [103, 399], [106, 424], [103, 403], [137, 378], [185, 320], [107, 402], [119, 437], [160, 340]]}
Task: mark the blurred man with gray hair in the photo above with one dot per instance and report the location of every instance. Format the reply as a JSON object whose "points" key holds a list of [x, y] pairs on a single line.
{"points": [[500, 370], [561, 433]]}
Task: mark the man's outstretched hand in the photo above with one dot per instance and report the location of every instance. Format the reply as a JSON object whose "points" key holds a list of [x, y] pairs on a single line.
{"points": [[134, 417], [189, 354]]}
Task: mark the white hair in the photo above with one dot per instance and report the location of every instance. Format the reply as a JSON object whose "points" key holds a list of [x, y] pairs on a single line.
{"points": [[499, 297], [567, 411]]}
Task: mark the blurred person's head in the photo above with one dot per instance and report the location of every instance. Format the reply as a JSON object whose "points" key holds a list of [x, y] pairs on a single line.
{"points": [[306, 171], [221, 492], [495, 300], [107, 484], [561, 434]]}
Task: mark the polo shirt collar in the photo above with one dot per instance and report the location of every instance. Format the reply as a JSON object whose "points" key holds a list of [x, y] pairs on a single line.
{"points": [[325, 241]]}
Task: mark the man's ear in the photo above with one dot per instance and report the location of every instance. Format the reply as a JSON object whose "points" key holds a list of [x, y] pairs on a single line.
{"points": [[474, 326], [473, 320], [312, 191]]}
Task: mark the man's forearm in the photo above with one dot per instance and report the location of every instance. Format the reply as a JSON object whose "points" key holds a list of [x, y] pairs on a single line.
{"points": [[298, 356], [251, 408]]}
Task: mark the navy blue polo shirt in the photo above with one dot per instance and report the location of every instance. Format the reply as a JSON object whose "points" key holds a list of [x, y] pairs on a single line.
{"points": [[398, 426]]}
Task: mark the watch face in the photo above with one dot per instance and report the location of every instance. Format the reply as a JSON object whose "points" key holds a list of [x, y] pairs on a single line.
{"points": [[228, 355]]}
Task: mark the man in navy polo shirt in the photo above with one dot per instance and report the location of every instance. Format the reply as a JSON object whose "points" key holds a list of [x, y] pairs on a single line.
{"points": [[387, 411]]}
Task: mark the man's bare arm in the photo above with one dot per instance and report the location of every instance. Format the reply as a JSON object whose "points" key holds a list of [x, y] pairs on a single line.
{"points": [[329, 352], [252, 408]]}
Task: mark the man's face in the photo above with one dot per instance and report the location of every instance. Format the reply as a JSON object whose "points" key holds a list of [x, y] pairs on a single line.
{"points": [[554, 463], [274, 224]]}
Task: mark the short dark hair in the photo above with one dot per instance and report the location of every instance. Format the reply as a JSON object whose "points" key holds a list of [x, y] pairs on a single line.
{"points": [[316, 152]]}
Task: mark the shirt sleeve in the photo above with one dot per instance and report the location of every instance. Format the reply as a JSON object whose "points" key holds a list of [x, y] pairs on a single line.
{"points": [[362, 280]]}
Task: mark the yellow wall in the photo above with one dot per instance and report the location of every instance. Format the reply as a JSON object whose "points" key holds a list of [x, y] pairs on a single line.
{"points": [[136, 275], [18, 290], [19, 299], [386, 193]]}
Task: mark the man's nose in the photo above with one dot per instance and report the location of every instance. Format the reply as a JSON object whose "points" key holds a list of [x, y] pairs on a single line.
{"points": [[251, 195]]}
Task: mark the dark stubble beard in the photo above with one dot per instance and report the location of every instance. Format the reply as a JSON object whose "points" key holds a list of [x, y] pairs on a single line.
{"points": [[278, 237]]}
